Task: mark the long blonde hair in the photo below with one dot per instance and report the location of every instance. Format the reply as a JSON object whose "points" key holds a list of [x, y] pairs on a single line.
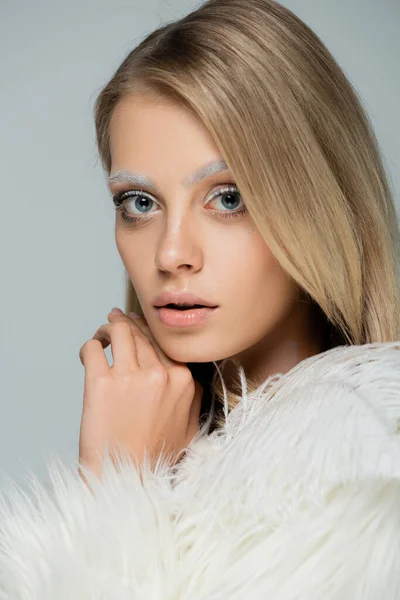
{"points": [[299, 144]]}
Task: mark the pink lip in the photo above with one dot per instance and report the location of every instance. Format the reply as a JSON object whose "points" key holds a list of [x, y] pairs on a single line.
{"points": [[183, 297], [185, 318]]}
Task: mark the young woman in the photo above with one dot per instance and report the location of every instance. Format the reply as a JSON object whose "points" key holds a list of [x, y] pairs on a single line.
{"points": [[245, 442]]}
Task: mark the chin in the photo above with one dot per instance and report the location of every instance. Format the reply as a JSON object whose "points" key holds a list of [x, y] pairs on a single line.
{"points": [[183, 356], [192, 355]]}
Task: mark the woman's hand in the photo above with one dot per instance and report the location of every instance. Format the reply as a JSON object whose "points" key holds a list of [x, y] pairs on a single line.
{"points": [[144, 400]]}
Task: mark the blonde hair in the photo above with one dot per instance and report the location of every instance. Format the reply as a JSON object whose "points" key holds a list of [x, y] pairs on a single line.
{"points": [[299, 144]]}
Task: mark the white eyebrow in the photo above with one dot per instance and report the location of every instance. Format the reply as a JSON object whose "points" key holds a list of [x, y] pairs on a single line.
{"points": [[209, 169], [125, 176]]}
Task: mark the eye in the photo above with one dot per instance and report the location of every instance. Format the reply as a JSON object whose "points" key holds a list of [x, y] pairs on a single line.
{"points": [[141, 202], [229, 197], [136, 200]]}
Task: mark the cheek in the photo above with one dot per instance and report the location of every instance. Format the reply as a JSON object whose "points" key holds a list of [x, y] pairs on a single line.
{"points": [[134, 257], [124, 247], [274, 289], [263, 292], [248, 266]]}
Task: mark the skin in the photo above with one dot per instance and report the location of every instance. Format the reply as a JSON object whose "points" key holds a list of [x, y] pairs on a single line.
{"points": [[262, 319]]}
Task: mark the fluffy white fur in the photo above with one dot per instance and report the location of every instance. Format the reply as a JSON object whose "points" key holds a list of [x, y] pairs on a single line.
{"points": [[296, 498]]}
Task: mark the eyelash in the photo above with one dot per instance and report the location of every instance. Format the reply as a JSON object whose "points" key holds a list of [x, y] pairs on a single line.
{"points": [[121, 196]]}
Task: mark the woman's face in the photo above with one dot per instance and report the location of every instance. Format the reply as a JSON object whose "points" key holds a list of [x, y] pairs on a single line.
{"points": [[182, 240]]}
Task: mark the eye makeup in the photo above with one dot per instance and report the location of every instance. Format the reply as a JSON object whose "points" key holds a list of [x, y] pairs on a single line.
{"points": [[126, 176], [121, 197]]}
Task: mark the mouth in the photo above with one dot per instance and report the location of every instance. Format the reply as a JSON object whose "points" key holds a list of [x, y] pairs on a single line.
{"points": [[183, 307], [184, 315]]}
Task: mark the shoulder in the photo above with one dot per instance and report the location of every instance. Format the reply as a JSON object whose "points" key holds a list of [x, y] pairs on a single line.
{"points": [[313, 466], [367, 376], [358, 365], [334, 415], [354, 381]]}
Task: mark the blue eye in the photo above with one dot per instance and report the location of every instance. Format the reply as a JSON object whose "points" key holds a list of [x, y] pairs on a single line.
{"points": [[142, 200], [228, 195]]}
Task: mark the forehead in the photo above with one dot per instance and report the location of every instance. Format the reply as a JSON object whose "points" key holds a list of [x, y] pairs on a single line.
{"points": [[142, 110], [161, 137]]}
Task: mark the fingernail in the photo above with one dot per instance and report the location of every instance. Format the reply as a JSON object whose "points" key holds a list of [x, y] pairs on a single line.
{"points": [[117, 311], [134, 315]]}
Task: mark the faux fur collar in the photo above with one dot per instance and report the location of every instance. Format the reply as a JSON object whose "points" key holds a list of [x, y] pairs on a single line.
{"points": [[296, 498]]}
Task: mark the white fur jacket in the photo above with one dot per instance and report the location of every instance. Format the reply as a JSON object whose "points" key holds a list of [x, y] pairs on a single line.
{"points": [[296, 498]]}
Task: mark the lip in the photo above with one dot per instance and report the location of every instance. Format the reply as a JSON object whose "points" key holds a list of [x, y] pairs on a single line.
{"points": [[173, 317], [181, 298]]}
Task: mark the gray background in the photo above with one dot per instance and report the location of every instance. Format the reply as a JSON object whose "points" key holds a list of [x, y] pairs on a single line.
{"points": [[60, 269]]}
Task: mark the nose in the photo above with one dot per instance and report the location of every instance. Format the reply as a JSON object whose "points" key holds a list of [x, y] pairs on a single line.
{"points": [[179, 249]]}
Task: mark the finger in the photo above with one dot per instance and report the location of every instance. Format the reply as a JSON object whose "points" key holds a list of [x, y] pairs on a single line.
{"points": [[93, 358], [123, 347], [145, 352], [142, 325]]}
